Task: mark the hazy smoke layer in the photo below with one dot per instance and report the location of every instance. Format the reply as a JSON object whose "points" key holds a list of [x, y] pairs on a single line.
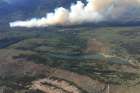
{"points": [[93, 11]]}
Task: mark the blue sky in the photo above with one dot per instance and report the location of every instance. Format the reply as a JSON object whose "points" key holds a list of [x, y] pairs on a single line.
{"points": [[14, 1], [8, 1]]}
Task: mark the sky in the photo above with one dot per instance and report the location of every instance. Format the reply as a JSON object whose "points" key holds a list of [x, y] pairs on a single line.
{"points": [[9, 1], [15, 2]]}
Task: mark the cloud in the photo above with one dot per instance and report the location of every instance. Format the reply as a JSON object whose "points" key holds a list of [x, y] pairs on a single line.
{"points": [[93, 11]]}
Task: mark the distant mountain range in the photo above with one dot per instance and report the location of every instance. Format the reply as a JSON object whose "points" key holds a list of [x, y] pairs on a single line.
{"points": [[31, 8], [26, 9]]}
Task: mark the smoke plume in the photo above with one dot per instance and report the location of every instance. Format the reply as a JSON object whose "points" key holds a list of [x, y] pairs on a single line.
{"points": [[93, 11]]}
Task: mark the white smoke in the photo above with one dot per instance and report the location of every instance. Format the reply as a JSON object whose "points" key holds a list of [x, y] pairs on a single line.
{"points": [[93, 11]]}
